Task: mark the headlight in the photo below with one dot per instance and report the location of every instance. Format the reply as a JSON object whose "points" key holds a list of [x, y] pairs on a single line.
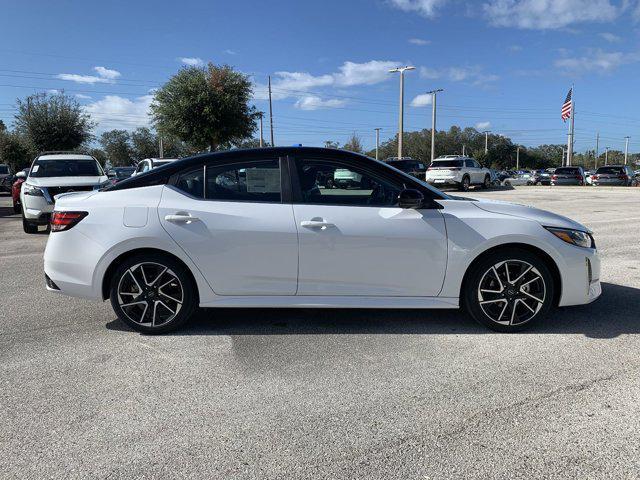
{"points": [[574, 237], [31, 190]]}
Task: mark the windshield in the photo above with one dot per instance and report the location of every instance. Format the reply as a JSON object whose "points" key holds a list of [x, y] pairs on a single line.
{"points": [[564, 171], [124, 172], [66, 168], [610, 170], [4, 169], [446, 163]]}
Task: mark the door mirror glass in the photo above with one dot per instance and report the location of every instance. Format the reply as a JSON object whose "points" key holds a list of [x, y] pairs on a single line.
{"points": [[21, 175], [410, 198]]}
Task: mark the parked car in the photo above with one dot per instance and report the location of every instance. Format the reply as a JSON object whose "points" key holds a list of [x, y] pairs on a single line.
{"points": [[53, 173], [518, 179], [151, 163], [568, 176], [19, 179], [117, 174], [458, 171], [621, 175], [161, 244], [545, 176], [408, 165], [6, 178]]}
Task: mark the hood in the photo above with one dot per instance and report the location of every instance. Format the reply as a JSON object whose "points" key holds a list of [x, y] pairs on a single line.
{"points": [[65, 181], [543, 217]]}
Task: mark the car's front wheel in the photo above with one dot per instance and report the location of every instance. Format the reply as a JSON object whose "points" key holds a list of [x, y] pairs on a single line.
{"points": [[508, 290], [28, 227], [465, 184], [152, 293]]}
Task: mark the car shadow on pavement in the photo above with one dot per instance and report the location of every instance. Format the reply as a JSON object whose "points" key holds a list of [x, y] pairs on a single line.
{"points": [[617, 312], [7, 212]]}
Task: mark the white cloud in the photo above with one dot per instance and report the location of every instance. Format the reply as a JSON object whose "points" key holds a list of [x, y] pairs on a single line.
{"points": [[426, 8], [192, 61], [82, 96], [105, 75], [114, 111], [419, 41], [549, 14], [596, 61], [53, 91], [610, 37], [313, 102], [349, 74], [470, 74], [230, 52], [421, 100], [483, 125]]}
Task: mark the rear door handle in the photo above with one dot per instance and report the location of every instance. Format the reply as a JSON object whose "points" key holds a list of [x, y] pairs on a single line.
{"points": [[181, 218], [316, 224]]}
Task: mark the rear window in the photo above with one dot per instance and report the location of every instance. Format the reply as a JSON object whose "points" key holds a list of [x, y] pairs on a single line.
{"points": [[66, 168], [406, 165], [610, 171], [565, 171], [4, 169], [446, 163]]}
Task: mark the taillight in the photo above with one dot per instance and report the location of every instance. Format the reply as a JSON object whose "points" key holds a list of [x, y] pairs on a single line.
{"points": [[61, 221], [623, 177], [594, 177], [579, 177], [554, 177]]}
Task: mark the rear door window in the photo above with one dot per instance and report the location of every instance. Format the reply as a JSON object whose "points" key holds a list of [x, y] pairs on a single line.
{"points": [[250, 181]]}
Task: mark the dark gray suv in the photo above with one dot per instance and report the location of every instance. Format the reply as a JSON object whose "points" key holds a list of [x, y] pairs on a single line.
{"points": [[614, 175]]}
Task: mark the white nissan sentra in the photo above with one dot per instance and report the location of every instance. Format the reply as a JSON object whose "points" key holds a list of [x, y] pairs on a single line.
{"points": [[269, 228]]}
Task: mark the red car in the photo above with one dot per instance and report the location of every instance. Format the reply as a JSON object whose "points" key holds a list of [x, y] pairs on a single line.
{"points": [[20, 177]]}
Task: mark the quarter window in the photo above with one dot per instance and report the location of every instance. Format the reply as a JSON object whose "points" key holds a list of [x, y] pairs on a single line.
{"points": [[331, 182], [257, 181]]}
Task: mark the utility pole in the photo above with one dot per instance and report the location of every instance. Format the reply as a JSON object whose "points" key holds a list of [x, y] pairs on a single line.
{"points": [[377, 140], [606, 156], [518, 158], [260, 115], [271, 114], [401, 70], [433, 121], [595, 162], [486, 141], [562, 160], [626, 149], [161, 147], [463, 150]]}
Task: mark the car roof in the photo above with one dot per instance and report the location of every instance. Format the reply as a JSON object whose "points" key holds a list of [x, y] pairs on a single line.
{"points": [[64, 156]]}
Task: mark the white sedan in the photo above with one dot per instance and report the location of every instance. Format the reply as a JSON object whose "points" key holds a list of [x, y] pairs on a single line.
{"points": [[257, 228]]}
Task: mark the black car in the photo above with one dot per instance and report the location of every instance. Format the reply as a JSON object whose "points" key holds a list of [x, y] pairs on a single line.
{"points": [[408, 165], [118, 174]]}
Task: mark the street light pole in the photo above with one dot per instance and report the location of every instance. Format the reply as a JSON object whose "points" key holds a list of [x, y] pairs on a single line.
{"points": [[518, 158], [595, 162], [377, 140], [401, 70], [606, 156], [260, 115], [433, 121], [486, 141]]}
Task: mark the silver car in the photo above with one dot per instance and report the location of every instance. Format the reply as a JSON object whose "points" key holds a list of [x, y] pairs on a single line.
{"points": [[614, 175], [568, 176]]}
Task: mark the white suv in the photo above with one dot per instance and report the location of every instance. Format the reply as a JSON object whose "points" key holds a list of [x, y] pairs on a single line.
{"points": [[458, 171], [51, 174]]}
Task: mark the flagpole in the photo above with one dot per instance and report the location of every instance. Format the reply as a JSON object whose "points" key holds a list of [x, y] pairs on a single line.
{"points": [[571, 130]]}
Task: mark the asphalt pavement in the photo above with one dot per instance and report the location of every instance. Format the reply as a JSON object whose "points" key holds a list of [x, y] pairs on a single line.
{"points": [[321, 393]]}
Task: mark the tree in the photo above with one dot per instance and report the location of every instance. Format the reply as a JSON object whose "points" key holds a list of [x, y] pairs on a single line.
{"points": [[99, 155], [144, 144], [115, 144], [354, 144], [3, 127], [331, 144], [207, 107], [15, 150], [53, 122]]}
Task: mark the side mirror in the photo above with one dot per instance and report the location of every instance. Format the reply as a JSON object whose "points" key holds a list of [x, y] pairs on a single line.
{"points": [[410, 198], [21, 175]]}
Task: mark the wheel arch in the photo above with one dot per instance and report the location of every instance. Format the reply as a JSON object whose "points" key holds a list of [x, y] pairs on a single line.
{"points": [[545, 257], [106, 279]]}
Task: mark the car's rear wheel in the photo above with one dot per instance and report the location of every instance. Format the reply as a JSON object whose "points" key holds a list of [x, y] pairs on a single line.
{"points": [[487, 182], [509, 290], [152, 294], [465, 183]]}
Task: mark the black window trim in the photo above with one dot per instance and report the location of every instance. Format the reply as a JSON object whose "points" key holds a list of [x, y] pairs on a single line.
{"points": [[384, 171], [285, 185]]}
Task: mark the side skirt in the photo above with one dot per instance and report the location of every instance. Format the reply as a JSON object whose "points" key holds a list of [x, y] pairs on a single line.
{"points": [[331, 302]]}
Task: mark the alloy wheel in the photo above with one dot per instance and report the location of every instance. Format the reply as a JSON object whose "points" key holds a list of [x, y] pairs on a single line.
{"points": [[150, 294], [511, 292]]}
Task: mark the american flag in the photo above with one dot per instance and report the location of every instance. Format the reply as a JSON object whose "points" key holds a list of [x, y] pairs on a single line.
{"points": [[567, 106]]}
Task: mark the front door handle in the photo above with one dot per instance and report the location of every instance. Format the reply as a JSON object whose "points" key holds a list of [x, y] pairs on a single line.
{"points": [[316, 224], [181, 218]]}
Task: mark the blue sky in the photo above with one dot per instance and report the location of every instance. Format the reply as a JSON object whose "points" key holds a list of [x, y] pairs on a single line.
{"points": [[505, 65]]}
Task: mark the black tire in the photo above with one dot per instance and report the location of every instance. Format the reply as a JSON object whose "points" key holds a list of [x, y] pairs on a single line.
{"points": [[16, 208], [145, 315], [29, 227], [521, 310], [487, 182], [465, 184]]}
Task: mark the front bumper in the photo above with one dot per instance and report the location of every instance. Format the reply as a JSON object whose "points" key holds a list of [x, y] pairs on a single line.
{"points": [[580, 277], [37, 209]]}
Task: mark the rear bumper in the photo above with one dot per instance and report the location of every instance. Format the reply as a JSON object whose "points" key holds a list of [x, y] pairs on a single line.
{"points": [[443, 181]]}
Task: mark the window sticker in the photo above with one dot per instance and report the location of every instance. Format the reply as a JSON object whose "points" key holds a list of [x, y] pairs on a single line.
{"points": [[36, 168], [263, 180]]}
